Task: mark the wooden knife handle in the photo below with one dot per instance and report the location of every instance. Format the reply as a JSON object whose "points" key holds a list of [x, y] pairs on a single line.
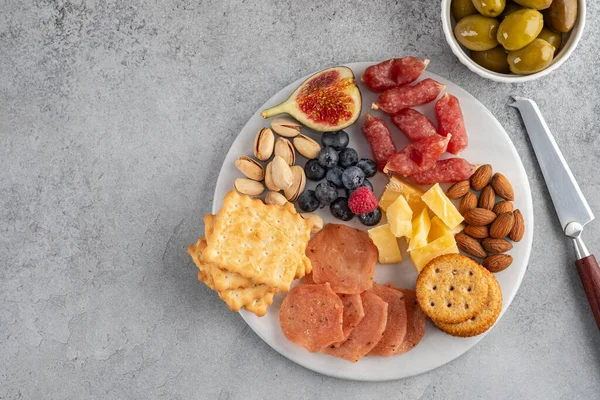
{"points": [[589, 272]]}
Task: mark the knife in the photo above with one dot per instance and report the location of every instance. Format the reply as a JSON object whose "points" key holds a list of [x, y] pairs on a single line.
{"points": [[571, 207]]}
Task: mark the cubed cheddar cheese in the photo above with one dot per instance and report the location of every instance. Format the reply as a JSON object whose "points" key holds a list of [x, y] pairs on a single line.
{"points": [[440, 204], [420, 229], [396, 187], [439, 228], [444, 245], [386, 243], [399, 216]]}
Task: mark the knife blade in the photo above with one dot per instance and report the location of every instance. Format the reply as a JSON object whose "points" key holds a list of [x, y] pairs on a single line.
{"points": [[569, 202]]}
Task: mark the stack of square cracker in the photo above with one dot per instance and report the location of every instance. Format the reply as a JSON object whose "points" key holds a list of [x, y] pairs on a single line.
{"points": [[251, 251]]}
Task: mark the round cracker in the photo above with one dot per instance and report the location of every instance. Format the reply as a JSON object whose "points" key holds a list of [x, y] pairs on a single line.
{"points": [[485, 319], [452, 288]]}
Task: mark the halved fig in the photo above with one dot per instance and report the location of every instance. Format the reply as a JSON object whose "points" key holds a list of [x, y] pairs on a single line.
{"points": [[327, 101]]}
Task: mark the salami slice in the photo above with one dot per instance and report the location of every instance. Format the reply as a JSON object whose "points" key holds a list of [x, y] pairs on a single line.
{"points": [[451, 122], [393, 100], [311, 316], [392, 73], [445, 171], [378, 135], [344, 257], [413, 124], [418, 157], [395, 329], [367, 333], [353, 314], [415, 327]]}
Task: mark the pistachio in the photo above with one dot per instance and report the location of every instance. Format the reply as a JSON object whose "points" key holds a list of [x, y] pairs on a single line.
{"points": [[248, 186], [285, 150], [250, 167], [281, 173], [263, 144], [269, 178], [286, 126], [275, 198], [316, 220], [307, 147], [299, 182]]}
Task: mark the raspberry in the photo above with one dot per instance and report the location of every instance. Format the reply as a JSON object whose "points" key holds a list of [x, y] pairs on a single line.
{"points": [[362, 201]]}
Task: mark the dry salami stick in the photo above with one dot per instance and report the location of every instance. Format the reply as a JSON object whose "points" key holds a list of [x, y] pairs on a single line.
{"points": [[414, 124], [379, 137], [393, 73], [393, 100], [445, 171], [418, 157], [451, 122]]}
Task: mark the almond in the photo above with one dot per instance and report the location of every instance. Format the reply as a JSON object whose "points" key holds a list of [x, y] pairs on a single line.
{"points": [[502, 207], [264, 141], [458, 190], [468, 202], [487, 198], [481, 177], [250, 167], [497, 262], [503, 187], [285, 150], [479, 217], [502, 226], [496, 245], [469, 245], [248, 186], [477, 232], [518, 230]]}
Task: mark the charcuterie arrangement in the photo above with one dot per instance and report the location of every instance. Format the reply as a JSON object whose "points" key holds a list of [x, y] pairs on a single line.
{"points": [[454, 219]]}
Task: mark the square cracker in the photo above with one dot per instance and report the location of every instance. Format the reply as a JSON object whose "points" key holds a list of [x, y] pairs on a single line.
{"points": [[264, 243]]}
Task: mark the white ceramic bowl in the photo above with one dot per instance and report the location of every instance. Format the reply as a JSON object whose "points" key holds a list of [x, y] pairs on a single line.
{"points": [[570, 41]]}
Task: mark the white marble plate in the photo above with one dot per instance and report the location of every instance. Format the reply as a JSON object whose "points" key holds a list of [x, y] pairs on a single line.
{"points": [[488, 143]]}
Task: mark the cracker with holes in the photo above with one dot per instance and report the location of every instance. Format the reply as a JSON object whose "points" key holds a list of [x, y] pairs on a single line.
{"points": [[263, 243], [484, 319], [452, 288]]}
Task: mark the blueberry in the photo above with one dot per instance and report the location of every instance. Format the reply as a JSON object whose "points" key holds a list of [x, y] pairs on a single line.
{"points": [[353, 177], [328, 157], [334, 175], [368, 166], [339, 209], [338, 140], [348, 157], [370, 219], [326, 192], [314, 171], [308, 201], [366, 183]]}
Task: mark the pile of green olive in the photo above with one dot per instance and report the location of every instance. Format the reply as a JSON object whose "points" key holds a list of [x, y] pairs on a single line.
{"points": [[519, 36]]}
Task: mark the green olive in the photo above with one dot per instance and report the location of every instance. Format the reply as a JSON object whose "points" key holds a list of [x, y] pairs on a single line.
{"points": [[509, 9], [494, 59], [477, 32], [561, 15], [536, 4], [462, 8], [520, 28], [555, 39], [489, 8], [532, 58]]}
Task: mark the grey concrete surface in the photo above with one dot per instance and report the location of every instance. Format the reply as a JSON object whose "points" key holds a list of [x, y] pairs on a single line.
{"points": [[114, 119]]}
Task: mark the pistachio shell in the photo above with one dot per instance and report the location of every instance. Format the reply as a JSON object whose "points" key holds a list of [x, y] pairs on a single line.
{"points": [[299, 182], [316, 220], [275, 198], [250, 167], [286, 126], [281, 173], [269, 178], [307, 147], [263, 144], [248, 186], [285, 150]]}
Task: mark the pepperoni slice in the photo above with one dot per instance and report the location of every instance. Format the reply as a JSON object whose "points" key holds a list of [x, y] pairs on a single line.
{"points": [[445, 171], [353, 314], [414, 124], [344, 257], [311, 316], [451, 121], [392, 73], [367, 333], [378, 135], [418, 157], [393, 100], [395, 329], [415, 327]]}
